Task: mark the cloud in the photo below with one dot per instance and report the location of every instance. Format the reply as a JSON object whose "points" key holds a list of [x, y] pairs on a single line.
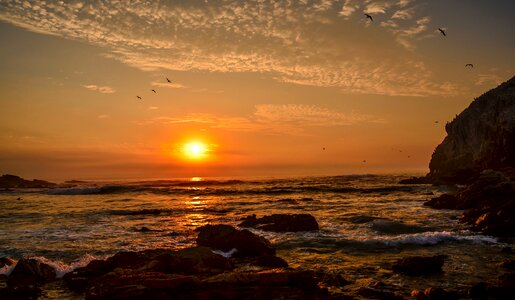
{"points": [[100, 89], [153, 107], [488, 79], [103, 116], [168, 85], [273, 119], [279, 39]]}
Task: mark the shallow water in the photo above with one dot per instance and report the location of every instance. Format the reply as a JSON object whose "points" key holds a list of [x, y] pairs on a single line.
{"points": [[366, 223]]}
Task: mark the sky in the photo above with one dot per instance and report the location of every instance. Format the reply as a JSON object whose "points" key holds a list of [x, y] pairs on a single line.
{"points": [[266, 88]]}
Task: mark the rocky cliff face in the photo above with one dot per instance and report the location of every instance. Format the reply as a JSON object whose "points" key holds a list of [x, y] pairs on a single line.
{"points": [[481, 137]]}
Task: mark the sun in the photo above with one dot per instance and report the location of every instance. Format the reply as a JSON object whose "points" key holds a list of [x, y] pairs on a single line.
{"points": [[195, 150]]}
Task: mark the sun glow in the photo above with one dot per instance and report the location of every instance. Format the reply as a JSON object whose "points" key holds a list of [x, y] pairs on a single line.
{"points": [[195, 150]]}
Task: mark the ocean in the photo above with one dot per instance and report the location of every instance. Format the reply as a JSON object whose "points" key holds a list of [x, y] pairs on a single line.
{"points": [[366, 223]]}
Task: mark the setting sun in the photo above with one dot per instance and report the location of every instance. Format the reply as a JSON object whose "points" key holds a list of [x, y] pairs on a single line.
{"points": [[195, 150]]}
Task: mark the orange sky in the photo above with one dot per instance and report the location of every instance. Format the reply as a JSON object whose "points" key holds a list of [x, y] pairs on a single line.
{"points": [[265, 85]]}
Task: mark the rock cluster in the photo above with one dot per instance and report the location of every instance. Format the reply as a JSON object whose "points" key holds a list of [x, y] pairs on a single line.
{"points": [[11, 181], [489, 204]]}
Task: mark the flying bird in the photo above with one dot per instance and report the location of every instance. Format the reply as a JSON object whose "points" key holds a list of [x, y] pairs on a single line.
{"points": [[169, 81], [323, 148], [154, 91], [364, 161], [442, 31], [369, 17], [138, 97], [469, 65], [436, 122]]}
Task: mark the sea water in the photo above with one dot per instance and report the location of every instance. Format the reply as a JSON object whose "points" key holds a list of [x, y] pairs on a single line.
{"points": [[366, 223]]}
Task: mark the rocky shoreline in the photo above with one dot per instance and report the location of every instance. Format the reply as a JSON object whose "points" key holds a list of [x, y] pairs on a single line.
{"points": [[232, 263], [479, 152]]}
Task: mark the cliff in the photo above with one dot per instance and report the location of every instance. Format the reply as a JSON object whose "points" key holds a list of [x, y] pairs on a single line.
{"points": [[481, 137]]}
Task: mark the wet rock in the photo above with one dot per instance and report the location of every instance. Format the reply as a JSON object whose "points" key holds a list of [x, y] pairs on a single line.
{"points": [[440, 294], [230, 285], [478, 291], [225, 238], [331, 279], [20, 293], [370, 293], [444, 201], [362, 219], [419, 265], [282, 222], [140, 285], [198, 260], [6, 261], [508, 264], [30, 272], [392, 227]]}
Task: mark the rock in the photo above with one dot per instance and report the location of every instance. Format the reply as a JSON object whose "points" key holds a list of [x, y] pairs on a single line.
{"points": [[440, 294], [282, 222], [392, 227], [370, 293], [20, 293], [444, 201], [419, 265], [11, 181], [225, 238], [6, 261], [478, 291], [140, 286], [481, 137], [30, 272], [198, 260], [508, 264], [230, 285]]}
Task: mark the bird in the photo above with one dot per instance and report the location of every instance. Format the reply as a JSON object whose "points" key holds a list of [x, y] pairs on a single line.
{"points": [[154, 91], [169, 81], [138, 97], [442, 31], [369, 17], [436, 122], [323, 148], [469, 65], [364, 161], [409, 156]]}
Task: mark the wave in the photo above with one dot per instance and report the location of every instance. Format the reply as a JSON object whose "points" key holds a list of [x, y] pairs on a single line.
{"points": [[61, 268], [194, 189]]}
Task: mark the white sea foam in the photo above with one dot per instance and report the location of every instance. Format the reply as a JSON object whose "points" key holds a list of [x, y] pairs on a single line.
{"points": [[227, 254], [431, 238], [60, 267]]}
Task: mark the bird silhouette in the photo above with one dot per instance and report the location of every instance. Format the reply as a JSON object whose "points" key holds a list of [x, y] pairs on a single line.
{"points": [[154, 91], [436, 122], [364, 161], [369, 17], [138, 97], [323, 148], [469, 65], [409, 156], [169, 81], [442, 31]]}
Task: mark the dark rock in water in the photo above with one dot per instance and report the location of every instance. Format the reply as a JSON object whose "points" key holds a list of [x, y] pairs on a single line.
{"points": [[508, 264], [391, 227], [481, 137], [331, 279], [230, 285], [11, 181], [440, 294], [226, 238], [507, 279], [140, 285], [416, 180], [419, 265], [478, 291], [198, 260], [482, 291], [362, 219], [370, 293], [6, 261], [444, 201], [489, 204], [30, 272], [20, 293], [282, 222]]}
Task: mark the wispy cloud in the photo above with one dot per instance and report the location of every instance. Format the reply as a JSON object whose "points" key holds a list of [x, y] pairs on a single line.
{"points": [[274, 119], [276, 38], [168, 85], [100, 89]]}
